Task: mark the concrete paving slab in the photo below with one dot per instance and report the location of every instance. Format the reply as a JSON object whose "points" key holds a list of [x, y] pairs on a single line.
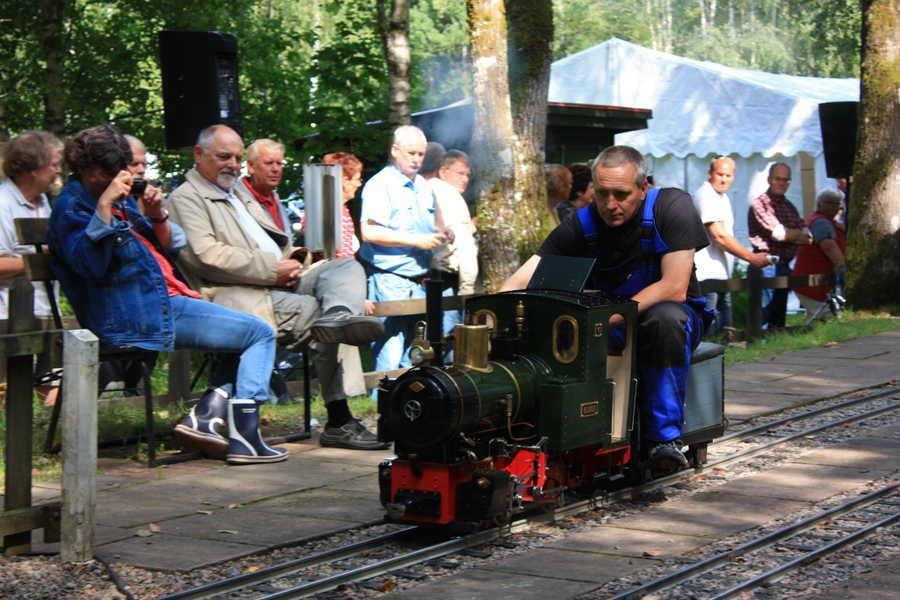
{"points": [[712, 514], [480, 584], [172, 552], [250, 526], [569, 565], [798, 482], [608, 539], [102, 535], [365, 484], [751, 404], [870, 456], [327, 504]]}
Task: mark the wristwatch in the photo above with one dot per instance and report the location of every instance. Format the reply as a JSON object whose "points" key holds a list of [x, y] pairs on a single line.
{"points": [[162, 219]]}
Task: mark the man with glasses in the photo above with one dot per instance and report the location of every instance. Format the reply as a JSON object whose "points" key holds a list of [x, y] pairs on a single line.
{"points": [[238, 256], [776, 228]]}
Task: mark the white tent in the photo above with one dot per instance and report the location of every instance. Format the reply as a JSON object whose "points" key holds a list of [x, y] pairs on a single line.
{"points": [[701, 109]]}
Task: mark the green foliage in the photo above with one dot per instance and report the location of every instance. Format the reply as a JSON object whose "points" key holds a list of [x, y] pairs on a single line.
{"points": [[440, 53], [802, 37]]}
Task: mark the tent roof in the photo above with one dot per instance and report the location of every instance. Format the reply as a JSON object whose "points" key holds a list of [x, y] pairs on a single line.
{"points": [[700, 107]]}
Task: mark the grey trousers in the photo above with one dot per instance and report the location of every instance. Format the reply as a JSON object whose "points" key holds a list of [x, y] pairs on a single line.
{"points": [[327, 284]]}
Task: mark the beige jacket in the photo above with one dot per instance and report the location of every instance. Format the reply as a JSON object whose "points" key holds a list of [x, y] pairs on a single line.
{"points": [[224, 264]]}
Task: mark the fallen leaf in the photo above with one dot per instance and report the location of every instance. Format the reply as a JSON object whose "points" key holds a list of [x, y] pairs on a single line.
{"points": [[252, 569], [143, 533], [650, 553], [235, 505], [205, 512], [153, 527], [229, 531]]}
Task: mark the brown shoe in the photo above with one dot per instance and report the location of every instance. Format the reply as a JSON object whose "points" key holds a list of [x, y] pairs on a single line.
{"points": [[346, 328]]}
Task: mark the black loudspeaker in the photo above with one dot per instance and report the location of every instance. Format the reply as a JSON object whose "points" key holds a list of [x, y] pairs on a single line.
{"points": [[200, 83], [838, 122]]}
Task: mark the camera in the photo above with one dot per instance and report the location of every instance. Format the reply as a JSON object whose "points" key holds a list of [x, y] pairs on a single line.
{"points": [[138, 186]]}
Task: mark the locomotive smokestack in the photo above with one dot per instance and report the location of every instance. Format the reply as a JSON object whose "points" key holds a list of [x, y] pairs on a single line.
{"points": [[434, 314]]}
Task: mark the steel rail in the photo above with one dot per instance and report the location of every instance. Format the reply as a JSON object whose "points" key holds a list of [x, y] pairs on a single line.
{"points": [[708, 564], [809, 557], [642, 488], [247, 579], [381, 567], [461, 543], [744, 433]]}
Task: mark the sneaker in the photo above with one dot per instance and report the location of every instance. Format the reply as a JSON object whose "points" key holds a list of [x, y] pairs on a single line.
{"points": [[346, 328], [667, 458], [352, 435]]}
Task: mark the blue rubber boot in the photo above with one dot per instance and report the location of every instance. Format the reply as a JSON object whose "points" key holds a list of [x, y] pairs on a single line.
{"points": [[204, 427], [245, 443]]}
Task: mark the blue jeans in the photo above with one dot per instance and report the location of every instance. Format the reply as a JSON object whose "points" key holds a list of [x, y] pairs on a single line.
{"points": [[391, 350], [721, 303], [201, 325], [774, 309]]}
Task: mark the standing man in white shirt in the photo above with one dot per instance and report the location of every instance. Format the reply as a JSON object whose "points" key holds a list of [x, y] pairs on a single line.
{"points": [[717, 260]]}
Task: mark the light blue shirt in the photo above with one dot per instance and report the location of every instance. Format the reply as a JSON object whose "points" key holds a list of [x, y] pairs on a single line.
{"points": [[392, 200]]}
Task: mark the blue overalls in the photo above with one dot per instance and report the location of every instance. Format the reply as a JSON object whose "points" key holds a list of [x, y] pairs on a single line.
{"points": [[667, 332]]}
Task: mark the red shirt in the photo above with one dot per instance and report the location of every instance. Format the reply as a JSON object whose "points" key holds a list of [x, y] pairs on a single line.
{"points": [[270, 203], [764, 215], [175, 286]]}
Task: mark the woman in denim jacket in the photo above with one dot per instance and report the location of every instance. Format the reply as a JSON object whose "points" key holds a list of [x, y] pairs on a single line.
{"points": [[116, 267]]}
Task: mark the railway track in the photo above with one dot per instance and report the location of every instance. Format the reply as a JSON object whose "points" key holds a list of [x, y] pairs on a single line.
{"points": [[298, 578], [777, 553]]}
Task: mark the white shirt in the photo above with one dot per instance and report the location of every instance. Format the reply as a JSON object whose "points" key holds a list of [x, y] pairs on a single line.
{"points": [[13, 205], [461, 255], [713, 262]]}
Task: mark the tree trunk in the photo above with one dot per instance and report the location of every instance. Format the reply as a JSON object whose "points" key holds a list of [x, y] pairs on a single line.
{"points": [[52, 32], [395, 45], [874, 240], [493, 142], [530, 35], [702, 4]]}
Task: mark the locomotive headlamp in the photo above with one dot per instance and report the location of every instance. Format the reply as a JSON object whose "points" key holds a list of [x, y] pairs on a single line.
{"points": [[483, 483]]}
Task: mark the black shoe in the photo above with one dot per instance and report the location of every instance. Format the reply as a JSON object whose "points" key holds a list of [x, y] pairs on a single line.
{"points": [[667, 458], [346, 328], [352, 435]]}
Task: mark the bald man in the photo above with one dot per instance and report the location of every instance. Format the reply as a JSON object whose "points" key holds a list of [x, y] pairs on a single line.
{"points": [[398, 233]]}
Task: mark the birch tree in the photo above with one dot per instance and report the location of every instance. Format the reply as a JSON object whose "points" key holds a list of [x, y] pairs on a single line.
{"points": [[393, 19]]}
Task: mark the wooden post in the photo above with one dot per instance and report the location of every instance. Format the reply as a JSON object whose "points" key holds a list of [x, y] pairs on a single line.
{"points": [[179, 376], [19, 413], [79, 449], [754, 303]]}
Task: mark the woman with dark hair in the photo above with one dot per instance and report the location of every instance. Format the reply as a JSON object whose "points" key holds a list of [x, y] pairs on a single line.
{"points": [[117, 268]]}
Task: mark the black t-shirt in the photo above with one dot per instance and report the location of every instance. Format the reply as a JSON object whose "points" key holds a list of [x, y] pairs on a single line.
{"points": [[619, 248]]}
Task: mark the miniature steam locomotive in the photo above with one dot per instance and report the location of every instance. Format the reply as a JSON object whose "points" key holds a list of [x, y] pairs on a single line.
{"points": [[534, 406]]}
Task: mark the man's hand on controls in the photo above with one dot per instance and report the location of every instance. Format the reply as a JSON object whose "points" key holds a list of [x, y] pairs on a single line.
{"points": [[288, 272], [117, 189]]}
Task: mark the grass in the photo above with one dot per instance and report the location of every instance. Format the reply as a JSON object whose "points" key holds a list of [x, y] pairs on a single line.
{"points": [[121, 420]]}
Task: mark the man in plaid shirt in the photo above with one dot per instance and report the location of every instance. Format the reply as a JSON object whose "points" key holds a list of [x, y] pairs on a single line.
{"points": [[776, 228]]}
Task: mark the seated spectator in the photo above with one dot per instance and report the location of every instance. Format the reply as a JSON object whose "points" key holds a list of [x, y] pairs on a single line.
{"points": [[240, 258], [559, 186], [824, 256], [398, 231], [32, 164], [116, 268], [582, 192]]}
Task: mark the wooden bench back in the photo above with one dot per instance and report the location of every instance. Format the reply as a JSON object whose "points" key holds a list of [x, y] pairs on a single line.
{"points": [[34, 231]]}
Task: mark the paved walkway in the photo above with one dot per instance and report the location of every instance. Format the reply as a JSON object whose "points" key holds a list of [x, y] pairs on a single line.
{"points": [[207, 512]]}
